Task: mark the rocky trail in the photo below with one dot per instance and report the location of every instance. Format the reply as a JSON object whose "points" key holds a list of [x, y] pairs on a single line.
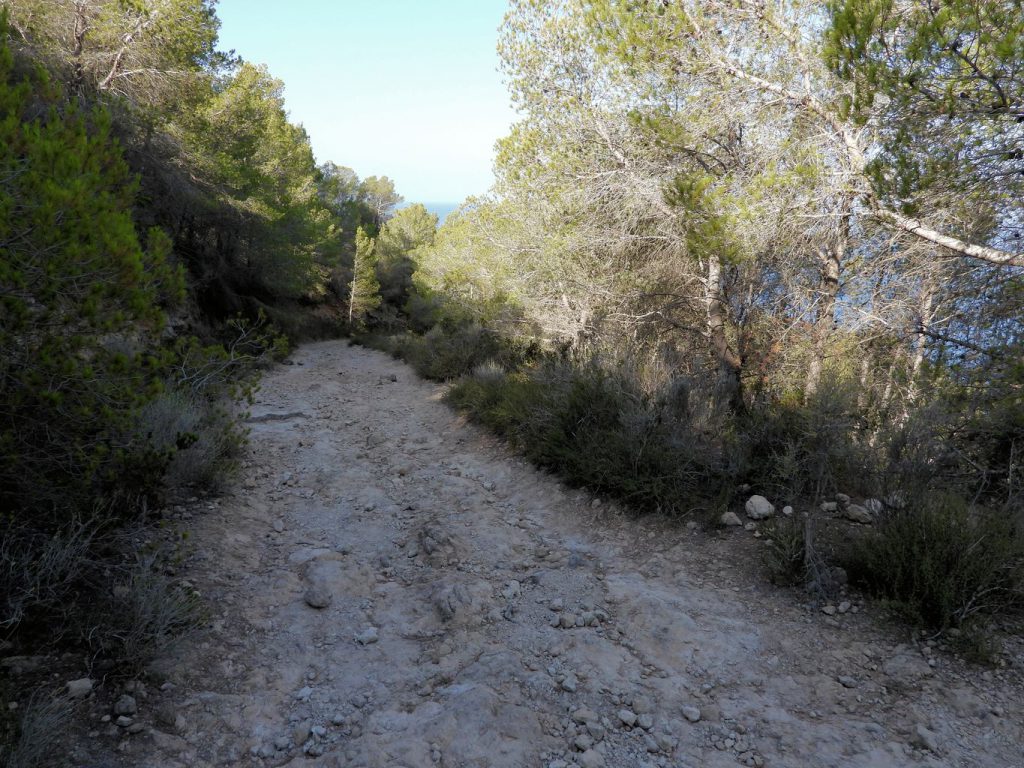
{"points": [[391, 587]]}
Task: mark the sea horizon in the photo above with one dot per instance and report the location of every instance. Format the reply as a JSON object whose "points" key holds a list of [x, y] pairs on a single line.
{"points": [[442, 209]]}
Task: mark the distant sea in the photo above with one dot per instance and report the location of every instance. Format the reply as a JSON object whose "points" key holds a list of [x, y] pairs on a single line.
{"points": [[441, 209]]}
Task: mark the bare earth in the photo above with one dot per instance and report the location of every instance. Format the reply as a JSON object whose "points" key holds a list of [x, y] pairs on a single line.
{"points": [[446, 561]]}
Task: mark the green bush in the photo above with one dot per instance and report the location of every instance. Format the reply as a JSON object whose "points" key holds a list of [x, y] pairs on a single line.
{"points": [[791, 450], [198, 441], [597, 429], [942, 563], [82, 305], [443, 356], [786, 554]]}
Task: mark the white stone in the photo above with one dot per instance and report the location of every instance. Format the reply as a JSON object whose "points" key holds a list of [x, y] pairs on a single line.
{"points": [[368, 636], [759, 508], [731, 519]]}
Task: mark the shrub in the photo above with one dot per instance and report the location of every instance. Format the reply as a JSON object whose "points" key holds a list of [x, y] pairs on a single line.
{"points": [[443, 355], [83, 297], [143, 614], [597, 429], [793, 450], [942, 563], [41, 572], [786, 555], [35, 732], [96, 584], [198, 441]]}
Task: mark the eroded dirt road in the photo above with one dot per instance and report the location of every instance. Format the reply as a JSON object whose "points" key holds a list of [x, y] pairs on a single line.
{"points": [[442, 564]]}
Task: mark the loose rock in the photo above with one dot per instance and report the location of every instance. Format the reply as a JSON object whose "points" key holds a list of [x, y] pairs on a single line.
{"points": [[368, 636], [317, 596], [874, 506], [926, 738], [79, 689], [126, 705], [858, 514], [759, 508], [581, 716], [730, 519]]}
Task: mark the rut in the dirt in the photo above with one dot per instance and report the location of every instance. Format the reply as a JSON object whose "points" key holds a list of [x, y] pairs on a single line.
{"points": [[390, 587]]}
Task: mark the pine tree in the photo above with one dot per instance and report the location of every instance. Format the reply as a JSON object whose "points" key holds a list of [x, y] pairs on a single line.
{"points": [[365, 292], [80, 297]]}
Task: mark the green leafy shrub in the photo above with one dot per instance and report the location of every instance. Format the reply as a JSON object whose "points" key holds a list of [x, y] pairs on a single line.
{"points": [[597, 429], [82, 298], [786, 555], [445, 355], [942, 563], [793, 450]]}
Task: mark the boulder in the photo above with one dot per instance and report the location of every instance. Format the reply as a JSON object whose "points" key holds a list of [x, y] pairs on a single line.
{"points": [[759, 508], [874, 506], [858, 514]]}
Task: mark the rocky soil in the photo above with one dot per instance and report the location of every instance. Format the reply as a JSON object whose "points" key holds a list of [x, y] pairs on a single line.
{"points": [[390, 587]]}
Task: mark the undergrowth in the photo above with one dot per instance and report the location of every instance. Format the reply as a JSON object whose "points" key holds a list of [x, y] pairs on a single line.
{"points": [[661, 445], [942, 562]]}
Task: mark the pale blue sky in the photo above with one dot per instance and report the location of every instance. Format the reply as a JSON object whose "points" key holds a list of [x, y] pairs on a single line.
{"points": [[401, 88]]}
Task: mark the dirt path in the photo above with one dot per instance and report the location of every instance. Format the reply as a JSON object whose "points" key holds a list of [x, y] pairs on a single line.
{"points": [[442, 564]]}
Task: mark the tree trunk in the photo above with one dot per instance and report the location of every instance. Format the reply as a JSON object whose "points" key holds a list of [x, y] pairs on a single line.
{"points": [[864, 392], [925, 312], [80, 30], [830, 260], [352, 289], [824, 326], [730, 366]]}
